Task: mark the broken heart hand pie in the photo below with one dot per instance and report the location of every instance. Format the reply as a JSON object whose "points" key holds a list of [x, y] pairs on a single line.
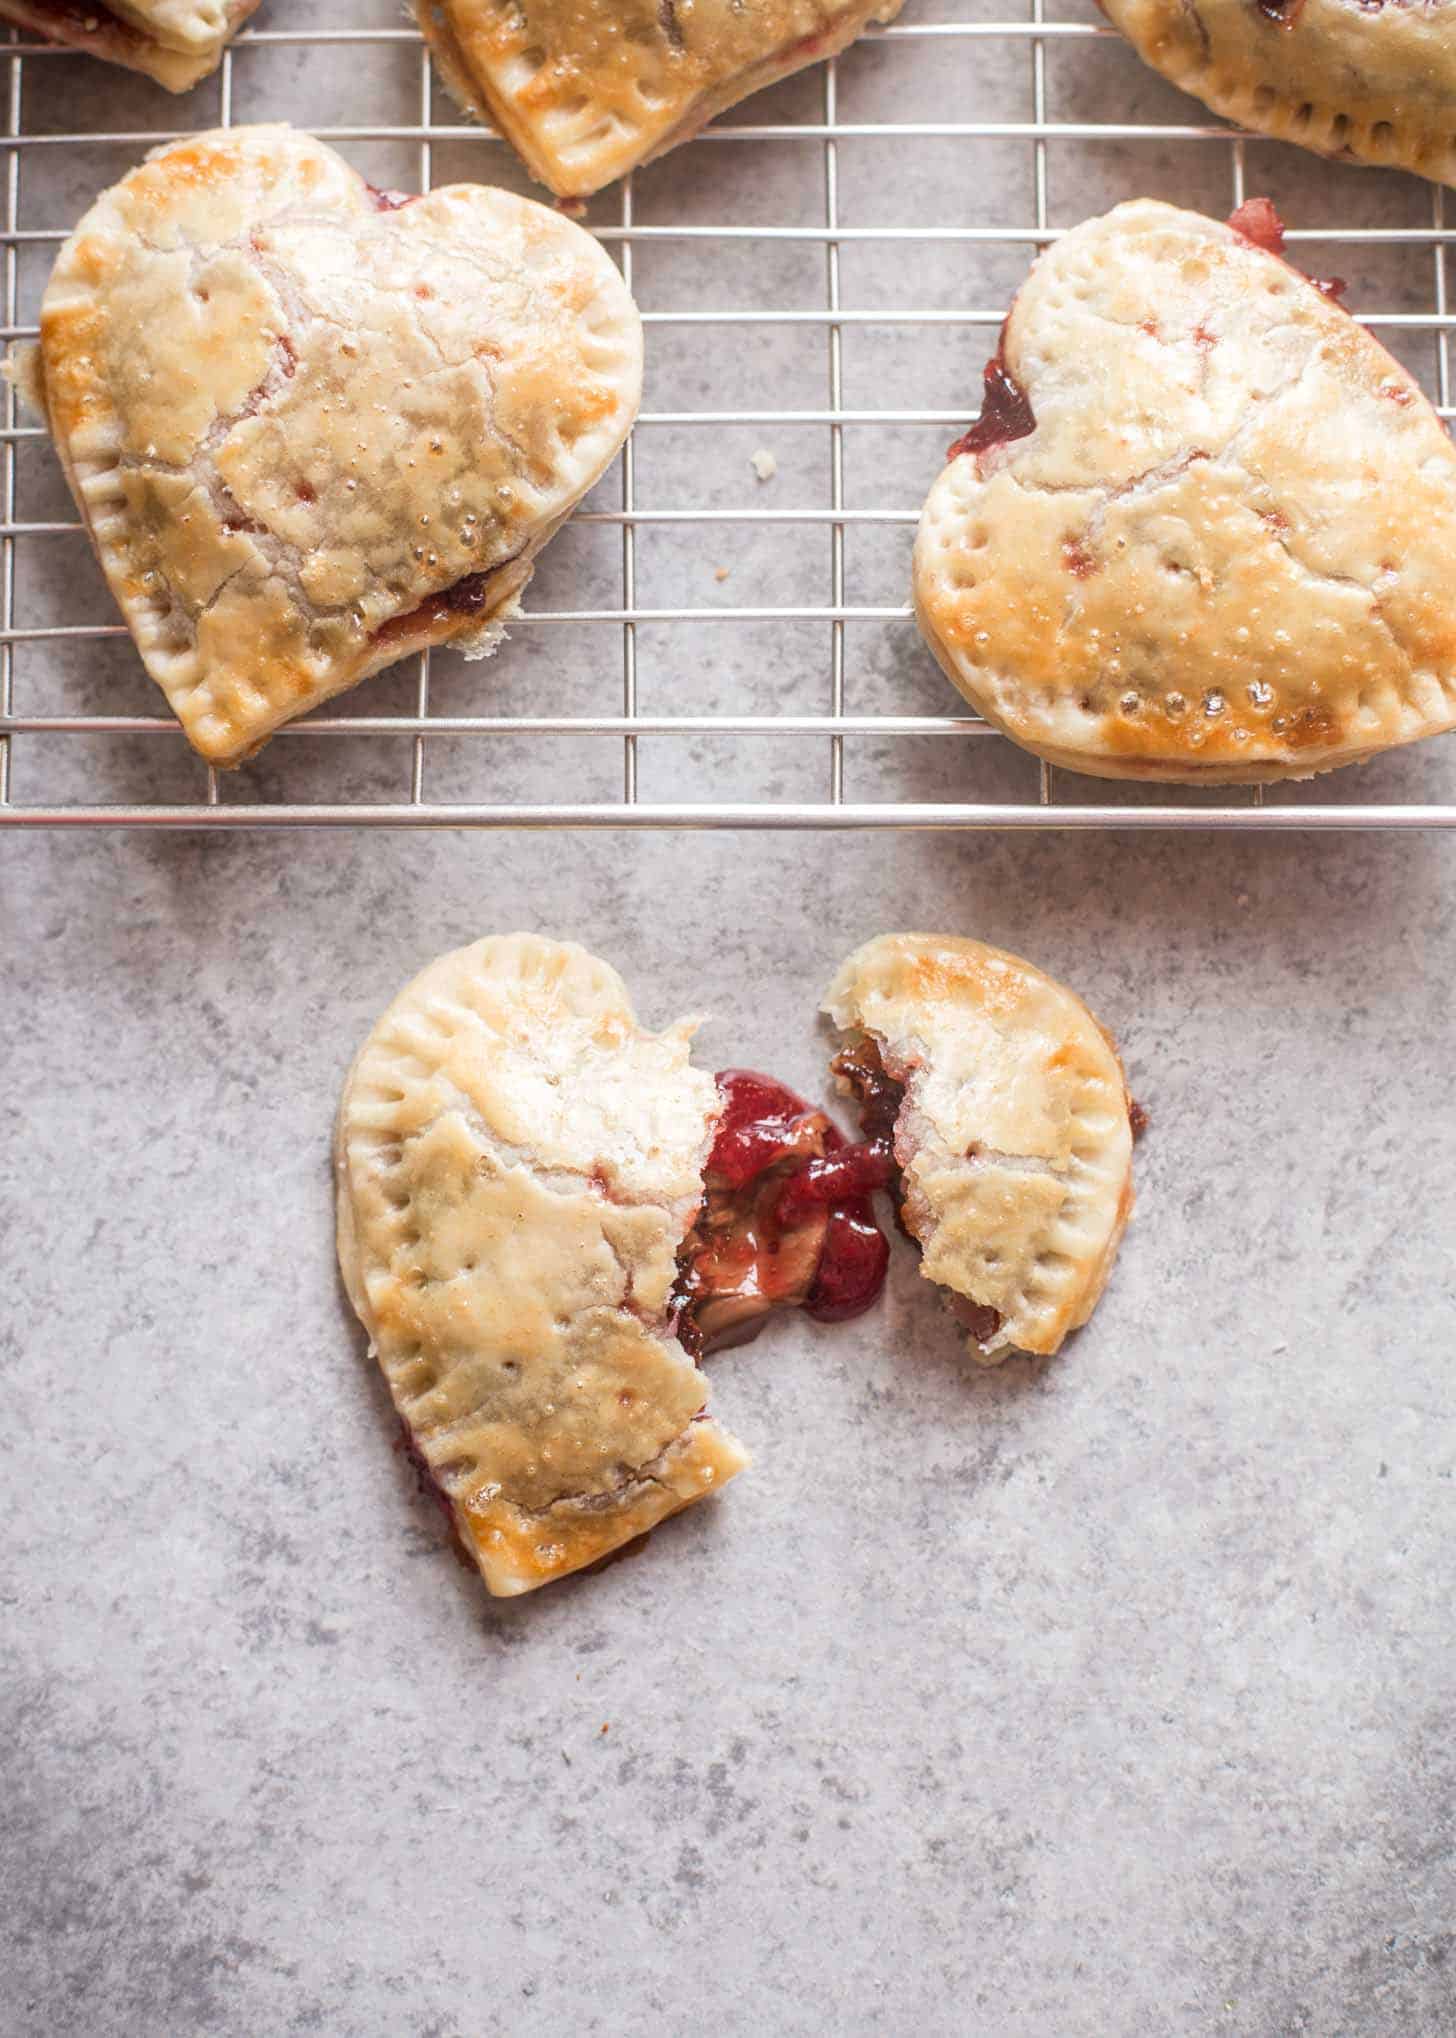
{"points": [[312, 427], [1367, 81], [174, 41], [587, 89], [518, 1165], [543, 1210], [1004, 1105], [1204, 527]]}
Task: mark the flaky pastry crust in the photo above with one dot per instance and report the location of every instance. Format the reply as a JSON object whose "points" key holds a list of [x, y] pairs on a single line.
{"points": [[518, 1163], [1223, 553], [312, 427], [1014, 1139], [587, 89], [1364, 81], [174, 41]]}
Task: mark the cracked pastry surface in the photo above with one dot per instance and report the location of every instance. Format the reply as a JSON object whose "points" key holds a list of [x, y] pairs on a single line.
{"points": [[518, 1165], [1365, 81], [174, 41], [1215, 545], [587, 89], [312, 427], [1011, 1126]]}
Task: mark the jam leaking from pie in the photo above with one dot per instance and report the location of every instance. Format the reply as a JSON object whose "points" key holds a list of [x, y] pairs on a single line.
{"points": [[1257, 220], [787, 1219], [1006, 411]]}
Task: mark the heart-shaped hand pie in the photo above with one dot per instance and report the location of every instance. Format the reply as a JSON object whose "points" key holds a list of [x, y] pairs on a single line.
{"points": [[1368, 81], [1005, 1106], [518, 1166], [312, 427], [543, 1211], [174, 41], [1205, 525], [587, 89]]}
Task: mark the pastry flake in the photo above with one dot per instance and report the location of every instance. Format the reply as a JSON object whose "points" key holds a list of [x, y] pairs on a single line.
{"points": [[518, 1165], [174, 41], [1366, 81], [1210, 540], [585, 90], [312, 427], [1007, 1112]]}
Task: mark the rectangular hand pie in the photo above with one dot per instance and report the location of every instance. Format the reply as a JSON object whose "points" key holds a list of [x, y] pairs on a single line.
{"points": [[587, 89], [174, 41]]}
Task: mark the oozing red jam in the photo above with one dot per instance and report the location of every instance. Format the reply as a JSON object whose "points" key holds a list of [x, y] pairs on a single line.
{"points": [[466, 598], [1258, 221], [787, 1219], [1283, 13], [1006, 412], [390, 201]]}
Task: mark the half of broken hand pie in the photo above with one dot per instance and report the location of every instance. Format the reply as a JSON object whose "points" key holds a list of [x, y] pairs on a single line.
{"points": [[312, 427], [1004, 1107], [544, 1212], [587, 89], [177, 42], [1204, 527]]}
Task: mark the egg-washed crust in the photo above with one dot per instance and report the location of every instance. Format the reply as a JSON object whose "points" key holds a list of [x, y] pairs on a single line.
{"points": [[174, 41], [312, 429], [1224, 552], [585, 90], [1014, 1139], [518, 1163], [1364, 81]]}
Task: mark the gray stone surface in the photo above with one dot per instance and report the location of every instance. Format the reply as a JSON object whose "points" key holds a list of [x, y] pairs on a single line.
{"points": [[1106, 1698], [1110, 1695]]}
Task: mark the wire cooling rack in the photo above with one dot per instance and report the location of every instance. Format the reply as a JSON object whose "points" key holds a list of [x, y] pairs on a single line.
{"points": [[784, 256]]}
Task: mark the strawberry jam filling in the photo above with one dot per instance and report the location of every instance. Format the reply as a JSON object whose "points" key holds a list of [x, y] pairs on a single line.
{"points": [[1006, 412], [1257, 220], [466, 598], [787, 1219]]}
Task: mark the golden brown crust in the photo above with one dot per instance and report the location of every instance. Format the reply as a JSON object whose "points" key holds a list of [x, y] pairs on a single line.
{"points": [[1365, 83], [587, 89], [1224, 552], [1014, 1139], [177, 42], [518, 1163], [310, 432]]}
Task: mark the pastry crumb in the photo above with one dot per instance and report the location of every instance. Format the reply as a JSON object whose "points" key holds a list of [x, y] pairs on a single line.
{"points": [[606, 1726], [1242, 899], [764, 464], [720, 573]]}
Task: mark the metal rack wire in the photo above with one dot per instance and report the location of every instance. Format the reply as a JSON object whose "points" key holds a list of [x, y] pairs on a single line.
{"points": [[1050, 798]]}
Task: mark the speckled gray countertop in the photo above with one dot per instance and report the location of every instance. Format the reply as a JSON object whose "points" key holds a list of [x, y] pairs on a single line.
{"points": [[1109, 1697], [1104, 1696]]}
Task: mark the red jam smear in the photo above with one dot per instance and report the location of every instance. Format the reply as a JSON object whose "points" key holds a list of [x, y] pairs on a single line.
{"points": [[1283, 13], [466, 598], [390, 201], [1258, 221], [1006, 412], [787, 1219]]}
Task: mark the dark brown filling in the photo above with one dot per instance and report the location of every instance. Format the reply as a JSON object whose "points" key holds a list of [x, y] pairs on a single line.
{"points": [[75, 24], [787, 1219]]}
